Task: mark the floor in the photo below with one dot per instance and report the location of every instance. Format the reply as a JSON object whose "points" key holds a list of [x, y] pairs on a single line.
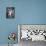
{"points": [[30, 43], [7, 45]]}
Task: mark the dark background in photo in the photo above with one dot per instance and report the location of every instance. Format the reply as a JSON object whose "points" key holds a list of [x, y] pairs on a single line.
{"points": [[10, 12]]}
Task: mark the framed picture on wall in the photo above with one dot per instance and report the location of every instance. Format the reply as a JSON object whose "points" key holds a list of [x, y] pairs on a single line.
{"points": [[10, 12]]}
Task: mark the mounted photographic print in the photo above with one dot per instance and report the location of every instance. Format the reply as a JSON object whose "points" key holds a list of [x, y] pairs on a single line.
{"points": [[32, 32], [10, 12]]}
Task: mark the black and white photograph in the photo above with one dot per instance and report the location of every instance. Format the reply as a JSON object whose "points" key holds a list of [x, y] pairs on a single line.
{"points": [[31, 34]]}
